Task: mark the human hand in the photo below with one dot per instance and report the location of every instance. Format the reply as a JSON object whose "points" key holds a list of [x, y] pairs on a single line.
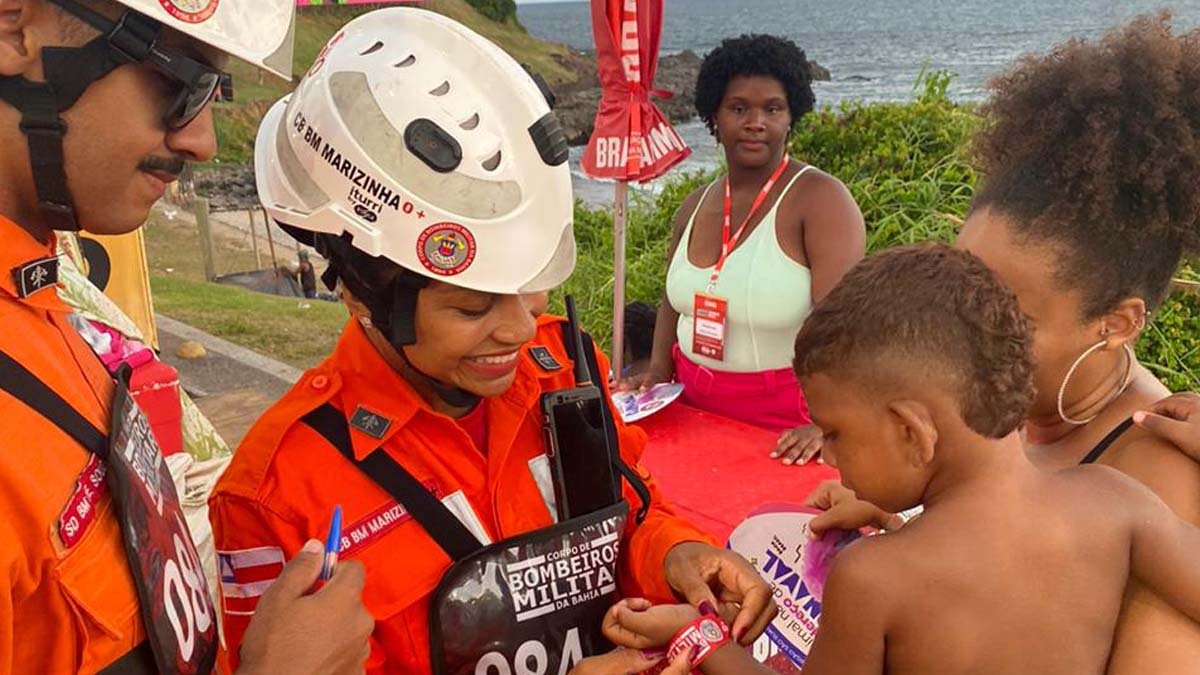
{"points": [[702, 573], [843, 510], [631, 662], [799, 445], [648, 378], [1176, 419], [295, 632], [639, 624]]}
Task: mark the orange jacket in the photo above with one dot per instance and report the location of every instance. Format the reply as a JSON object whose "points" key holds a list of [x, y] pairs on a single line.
{"points": [[285, 480], [67, 599]]}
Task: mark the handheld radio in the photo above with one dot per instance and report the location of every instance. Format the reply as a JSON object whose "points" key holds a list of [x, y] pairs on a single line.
{"points": [[581, 459]]}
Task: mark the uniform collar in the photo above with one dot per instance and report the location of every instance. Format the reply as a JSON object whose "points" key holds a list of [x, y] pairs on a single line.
{"points": [[28, 268], [378, 402]]}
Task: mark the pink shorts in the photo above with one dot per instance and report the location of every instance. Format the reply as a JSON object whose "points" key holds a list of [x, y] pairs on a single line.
{"points": [[770, 399]]}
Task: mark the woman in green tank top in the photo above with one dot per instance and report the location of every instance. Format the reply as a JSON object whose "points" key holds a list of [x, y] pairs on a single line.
{"points": [[751, 252]]}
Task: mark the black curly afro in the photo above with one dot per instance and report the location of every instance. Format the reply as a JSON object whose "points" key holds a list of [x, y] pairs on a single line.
{"points": [[1094, 148], [768, 55]]}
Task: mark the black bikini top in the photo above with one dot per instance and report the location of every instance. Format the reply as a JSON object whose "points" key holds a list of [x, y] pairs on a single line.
{"points": [[1107, 441]]}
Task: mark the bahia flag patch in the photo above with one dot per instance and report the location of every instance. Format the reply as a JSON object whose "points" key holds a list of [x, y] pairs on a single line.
{"points": [[245, 576]]}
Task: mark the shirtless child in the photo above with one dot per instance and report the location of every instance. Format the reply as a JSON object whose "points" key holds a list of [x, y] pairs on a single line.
{"points": [[917, 368]]}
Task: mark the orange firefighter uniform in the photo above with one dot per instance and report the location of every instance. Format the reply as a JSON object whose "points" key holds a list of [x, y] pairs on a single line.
{"points": [[285, 480], [68, 601]]}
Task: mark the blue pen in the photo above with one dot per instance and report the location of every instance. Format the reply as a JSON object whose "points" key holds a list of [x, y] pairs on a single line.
{"points": [[332, 543]]}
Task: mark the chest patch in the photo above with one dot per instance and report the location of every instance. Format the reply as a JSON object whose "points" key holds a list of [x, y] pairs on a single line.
{"points": [[35, 276], [374, 525], [80, 510], [545, 359], [370, 423]]}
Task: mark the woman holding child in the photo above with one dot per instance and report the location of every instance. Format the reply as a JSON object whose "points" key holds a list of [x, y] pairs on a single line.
{"points": [[1091, 158], [751, 253]]}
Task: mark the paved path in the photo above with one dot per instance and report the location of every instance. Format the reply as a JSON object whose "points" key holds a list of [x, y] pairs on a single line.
{"points": [[232, 385]]}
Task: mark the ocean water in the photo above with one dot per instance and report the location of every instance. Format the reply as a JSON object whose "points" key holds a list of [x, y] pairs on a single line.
{"points": [[875, 49]]}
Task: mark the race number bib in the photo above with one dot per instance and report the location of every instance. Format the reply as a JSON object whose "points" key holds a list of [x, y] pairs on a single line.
{"points": [[532, 604], [176, 605]]}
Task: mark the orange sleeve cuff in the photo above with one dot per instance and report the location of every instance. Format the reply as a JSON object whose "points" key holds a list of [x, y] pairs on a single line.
{"points": [[648, 547]]}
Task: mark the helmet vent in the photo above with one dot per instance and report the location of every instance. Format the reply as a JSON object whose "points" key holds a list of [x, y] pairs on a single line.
{"points": [[492, 162], [470, 123], [412, 58], [442, 90], [372, 49]]}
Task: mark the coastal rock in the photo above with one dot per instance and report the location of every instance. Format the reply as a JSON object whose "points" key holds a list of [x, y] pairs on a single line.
{"points": [[818, 72], [228, 188]]}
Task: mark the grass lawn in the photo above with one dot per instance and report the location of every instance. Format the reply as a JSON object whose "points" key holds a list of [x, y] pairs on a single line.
{"points": [[275, 326], [279, 327]]}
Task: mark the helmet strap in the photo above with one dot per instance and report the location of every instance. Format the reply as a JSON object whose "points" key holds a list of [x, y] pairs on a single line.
{"points": [[393, 312], [69, 72], [401, 332]]}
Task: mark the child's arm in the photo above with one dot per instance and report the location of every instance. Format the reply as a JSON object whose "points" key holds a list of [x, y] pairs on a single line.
{"points": [[636, 624], [1163, 549], [850, 640]]}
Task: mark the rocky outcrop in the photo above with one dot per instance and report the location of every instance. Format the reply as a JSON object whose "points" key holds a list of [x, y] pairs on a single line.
{"points": [[818, 72], [228, 188]]}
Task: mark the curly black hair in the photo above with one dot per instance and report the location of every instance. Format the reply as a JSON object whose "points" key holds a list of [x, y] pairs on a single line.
{"points": [[768, 55], [922, 316], [639, 329], [1094, 149]]}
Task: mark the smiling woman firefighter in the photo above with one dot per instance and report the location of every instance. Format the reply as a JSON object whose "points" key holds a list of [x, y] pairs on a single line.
{"points": [[494, 501]]}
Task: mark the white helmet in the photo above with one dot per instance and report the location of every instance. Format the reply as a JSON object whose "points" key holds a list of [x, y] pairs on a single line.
{"points": [[429, 146], [258, 32]]}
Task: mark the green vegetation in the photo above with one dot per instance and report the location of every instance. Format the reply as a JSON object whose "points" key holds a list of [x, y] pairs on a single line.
{"points": [[905, 164], [503, 11], [237, 122]]}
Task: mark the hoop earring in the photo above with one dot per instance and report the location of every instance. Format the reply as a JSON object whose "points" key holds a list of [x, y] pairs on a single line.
{"points": [[1130, 359]]}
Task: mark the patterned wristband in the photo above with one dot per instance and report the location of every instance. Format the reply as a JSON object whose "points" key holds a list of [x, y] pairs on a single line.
{"points": [[708, 633]]}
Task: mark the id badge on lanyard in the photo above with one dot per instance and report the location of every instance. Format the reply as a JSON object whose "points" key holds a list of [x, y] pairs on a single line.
{"points": [[708, 329], [710, 316], [176, 606]]}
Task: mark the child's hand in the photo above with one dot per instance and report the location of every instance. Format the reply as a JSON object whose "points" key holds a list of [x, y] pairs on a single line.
{"points": [[843, 510], [800, 445], [632, 661], [638, 624]]}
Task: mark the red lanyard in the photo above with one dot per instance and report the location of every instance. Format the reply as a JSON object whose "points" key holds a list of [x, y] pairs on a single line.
{"points": [[727, 240]]}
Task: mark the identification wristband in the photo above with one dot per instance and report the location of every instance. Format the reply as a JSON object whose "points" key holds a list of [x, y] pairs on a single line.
{"points": [[709, 633]]}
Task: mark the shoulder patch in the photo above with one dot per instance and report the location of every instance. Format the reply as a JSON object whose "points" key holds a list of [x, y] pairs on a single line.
{"points": [[370, 423], [545, 359], [35, 276]]}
